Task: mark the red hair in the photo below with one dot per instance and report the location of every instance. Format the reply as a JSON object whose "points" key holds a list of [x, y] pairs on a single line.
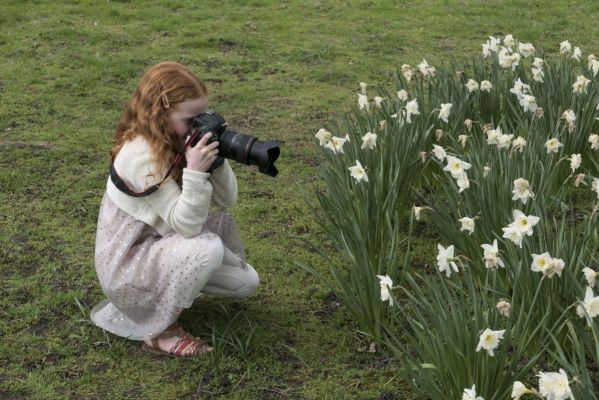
{"points": [[161, 88]]}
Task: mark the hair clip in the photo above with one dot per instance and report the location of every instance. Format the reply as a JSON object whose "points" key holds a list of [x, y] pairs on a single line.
{"points": [[164, 99]]}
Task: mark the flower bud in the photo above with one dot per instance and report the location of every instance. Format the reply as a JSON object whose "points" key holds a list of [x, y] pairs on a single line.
{"points": [[440, 134]]}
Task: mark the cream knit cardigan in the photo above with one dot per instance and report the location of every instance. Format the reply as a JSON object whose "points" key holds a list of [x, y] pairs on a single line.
{"points": [[170, 208]]}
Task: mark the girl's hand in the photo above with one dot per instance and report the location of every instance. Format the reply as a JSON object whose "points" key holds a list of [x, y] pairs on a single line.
{"points": [[201, 156]]}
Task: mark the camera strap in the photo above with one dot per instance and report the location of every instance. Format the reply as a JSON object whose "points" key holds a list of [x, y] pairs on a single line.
{"points": [[122, 185]]}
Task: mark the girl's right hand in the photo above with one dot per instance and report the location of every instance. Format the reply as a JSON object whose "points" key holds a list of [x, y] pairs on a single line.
{"points": [[201, 156]]}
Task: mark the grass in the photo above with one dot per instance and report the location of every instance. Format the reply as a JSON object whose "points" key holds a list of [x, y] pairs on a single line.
{"points": [[275, 70]]}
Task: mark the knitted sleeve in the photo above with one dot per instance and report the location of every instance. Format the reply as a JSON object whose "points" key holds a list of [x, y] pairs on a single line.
{"points": [[224, 185]]}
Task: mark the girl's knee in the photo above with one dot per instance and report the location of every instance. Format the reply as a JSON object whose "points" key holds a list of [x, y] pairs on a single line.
{"points": [[251, 283], [212, 252]]}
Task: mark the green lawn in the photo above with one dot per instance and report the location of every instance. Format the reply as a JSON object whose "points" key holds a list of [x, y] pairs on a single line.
{"points": [[274, 69]]}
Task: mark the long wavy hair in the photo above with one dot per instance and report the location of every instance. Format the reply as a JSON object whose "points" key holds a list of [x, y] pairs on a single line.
{"points": [[158, 92]]}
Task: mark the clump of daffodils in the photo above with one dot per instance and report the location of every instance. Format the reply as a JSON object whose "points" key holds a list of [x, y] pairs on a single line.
{"points": [[520, 227], [547, 265]]}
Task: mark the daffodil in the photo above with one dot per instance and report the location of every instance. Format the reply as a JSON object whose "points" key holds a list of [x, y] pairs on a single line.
{"points": [[463, 182], [526, 49], [426, 70], [565, 47], [411, 109], [569, 115], [522, 190], [358, 172], [402, 95], [504, 141], [369, 140], [594, 141], [323, 136], [407, 72], [520, 88], [524, 223], [444, 113], [538, 62], [519, 144], [486, 86], [471, 85], [445, 260], [378, 101], [491, 255], [417, 212], [547, 265], [363, 87], [528, 103], [335, 144], [575, 162], [456, 166], [595, 186], [581, 84], [507, 59], [363, 101], [493, 136], [467, 224], [538, 74], [553, 145], [555, 385], [508, 41], [519, 390], [504, 308], [590, 275], [577, 53], [386, 284], [470, 394], [489, 340], [439, 152], [462, 140]]}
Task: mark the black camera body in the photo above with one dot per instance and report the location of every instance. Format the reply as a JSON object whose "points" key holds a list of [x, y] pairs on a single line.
{"points": [[244, 149]]}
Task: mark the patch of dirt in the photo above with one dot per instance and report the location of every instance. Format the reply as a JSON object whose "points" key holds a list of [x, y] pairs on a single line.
{"points": [[330, 304], [388, 396]]}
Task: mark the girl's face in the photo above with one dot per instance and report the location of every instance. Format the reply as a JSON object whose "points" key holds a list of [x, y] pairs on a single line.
{"points": [[181, 115]]}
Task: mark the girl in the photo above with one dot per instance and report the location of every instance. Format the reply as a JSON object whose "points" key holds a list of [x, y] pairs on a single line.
{"points": [[157, 251]]}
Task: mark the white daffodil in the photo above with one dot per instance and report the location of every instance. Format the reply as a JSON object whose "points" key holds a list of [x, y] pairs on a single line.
{"points": [[462, 140], [590, 303], [594, 141], [590, 59], [486, 86], [468, 124], [507, 59], [492, 44], [505, 141], [491, 255], [489, 340], [575, 162], [471, 85], [417, 212], [520, 88], [336, 144], [411, 109], [445, 260], [565, 47], [426, 70], [467, 224], [594, 67], [538, 62], [463, 182], [439, 152], [402, 95], [358, 172], [538, 74], [522, 190], [470, 394], [513, 234], [540, 262], [504, 308], [363, 101], [581, 84], [386, 285], [323, 136], [520, 390], [407, 72], [493, 136], [590, 275], [508, 41], [577, 53], [369, 140], [528, 103], [526, 49], [519, 144], [363, 87], [378, 101], [486, 170], [554, 385], [579, 179], [570, 116], [444, 112], [553, 145], [595, 186], [456, 166], [524, 223]]}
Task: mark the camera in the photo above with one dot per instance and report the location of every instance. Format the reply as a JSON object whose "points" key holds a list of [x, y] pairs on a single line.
{"points": [[244, 149]]}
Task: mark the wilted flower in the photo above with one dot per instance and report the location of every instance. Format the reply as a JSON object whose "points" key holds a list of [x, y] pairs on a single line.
{"points": [[594, 141], [491, 255], [378, 100], [554, 385], [579, 179], [489, 340], [565, 47], [462, 140], [580, 85], [358, 172], [439, 134], [439, 152], [577, 54], [521, 190], [575, 162], [402, 95], [472, 85], [363, 87], [590, 275], [504, 308], [407, 72], [456, 166], [528, 103], [526, 49], [539, 112], [426, 70], [538, 74], [486, 170], [363, 101], [369, 140], [470, 394], [467, 224], [519, 390], [504, 141], [519, 143], [382, 124], [386, 285], [444, 113], [412, 109], [336, 144], [444, 260], [486, 86], [553, 145], [323, 136], [468, 123], [569, 115]]}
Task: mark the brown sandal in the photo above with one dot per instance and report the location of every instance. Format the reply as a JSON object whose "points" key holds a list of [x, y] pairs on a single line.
{"points": [[186, 341]]}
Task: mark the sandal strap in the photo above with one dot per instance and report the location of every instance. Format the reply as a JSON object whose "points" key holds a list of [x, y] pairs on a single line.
{"points": [[181, 345]]}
